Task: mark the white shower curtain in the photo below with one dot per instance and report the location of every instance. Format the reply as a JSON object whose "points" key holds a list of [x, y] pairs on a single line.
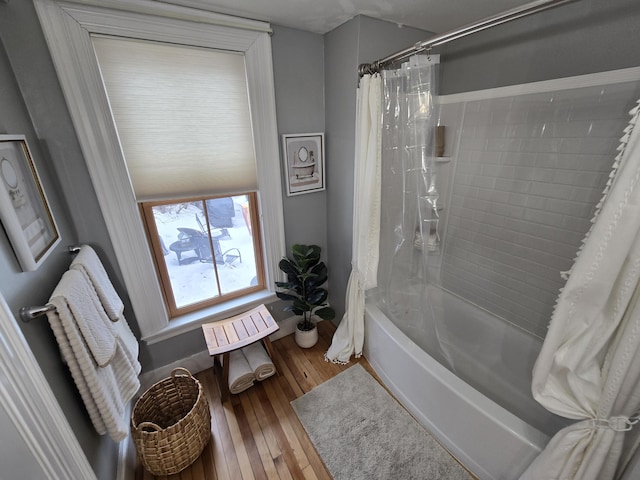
{"points": [[349, 337], [589, 366]]}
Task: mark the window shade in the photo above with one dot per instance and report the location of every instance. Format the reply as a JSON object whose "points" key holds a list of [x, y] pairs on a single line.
{"points": [[182, 115]]}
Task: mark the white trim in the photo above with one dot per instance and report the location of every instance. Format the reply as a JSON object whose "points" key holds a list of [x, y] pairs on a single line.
{"points": [[182, 12], [581, 81], [192, 321], [68, 27], [265, 133], [29, 402], [195, 363], [126, 466]]}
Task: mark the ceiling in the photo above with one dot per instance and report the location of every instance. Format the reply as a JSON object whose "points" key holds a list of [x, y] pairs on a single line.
{"points": [[322, 16]]}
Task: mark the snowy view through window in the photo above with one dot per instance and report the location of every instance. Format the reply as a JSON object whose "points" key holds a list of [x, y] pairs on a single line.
{"points": [[191, 266]]}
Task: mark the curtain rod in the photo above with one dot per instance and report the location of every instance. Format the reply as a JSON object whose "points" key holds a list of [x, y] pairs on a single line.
{"points": [[485, 23]]}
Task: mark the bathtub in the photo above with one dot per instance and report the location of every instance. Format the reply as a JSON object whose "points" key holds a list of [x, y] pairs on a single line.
{"points": [[489, 439]]}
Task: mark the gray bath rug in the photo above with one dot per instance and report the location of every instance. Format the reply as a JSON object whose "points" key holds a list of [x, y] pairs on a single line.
{"points": [[361, 432]]}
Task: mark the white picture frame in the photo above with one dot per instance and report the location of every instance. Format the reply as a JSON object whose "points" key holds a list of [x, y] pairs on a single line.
{"points": [[24, 209], [303, 157]]}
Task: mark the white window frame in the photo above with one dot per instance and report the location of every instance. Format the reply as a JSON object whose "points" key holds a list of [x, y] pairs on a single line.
{"points": [[68, 27]]}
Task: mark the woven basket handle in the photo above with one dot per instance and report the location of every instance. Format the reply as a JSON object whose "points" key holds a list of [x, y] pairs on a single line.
{"points": [[149, 425], [177, 370]]}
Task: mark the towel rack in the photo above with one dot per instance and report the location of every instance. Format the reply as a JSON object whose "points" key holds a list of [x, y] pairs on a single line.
{"points": [[29, 313]]}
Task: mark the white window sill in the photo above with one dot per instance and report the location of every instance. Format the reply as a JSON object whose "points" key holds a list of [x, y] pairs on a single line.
{"points": [[192, 321]]}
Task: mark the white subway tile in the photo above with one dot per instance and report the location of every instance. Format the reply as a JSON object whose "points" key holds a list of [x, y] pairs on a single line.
{"points": [[530, 169], [542, 145], [607, 128], [519, 158], [599, 111], [535, 202], [567, 207], [543, 175], [504, 144], [517, 186], [473, 143], [584, 179], [591, 146], [477, 118], [544, 217], [577, 129], [596, 163], [552, 190]]}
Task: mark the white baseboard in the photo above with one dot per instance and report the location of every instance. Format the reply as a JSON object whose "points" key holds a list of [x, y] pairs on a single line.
{"points": [[125, 469], [195, 363], [287, 327]]}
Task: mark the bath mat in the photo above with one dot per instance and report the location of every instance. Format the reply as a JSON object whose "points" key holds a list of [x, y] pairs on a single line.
{"points": [[361, 432]]}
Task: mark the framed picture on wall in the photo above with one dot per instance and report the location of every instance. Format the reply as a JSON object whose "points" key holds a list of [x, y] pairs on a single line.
{"points": [[303, 156], [24, 209]]}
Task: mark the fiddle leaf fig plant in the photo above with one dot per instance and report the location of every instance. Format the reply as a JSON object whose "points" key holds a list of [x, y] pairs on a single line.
{"points": [[305, 276]]}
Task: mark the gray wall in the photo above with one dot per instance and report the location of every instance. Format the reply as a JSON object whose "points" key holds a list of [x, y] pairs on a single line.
{"points": [[298, 64], [574, 39], [360, 40], [300, 109], [31, 102], [33, 288]]}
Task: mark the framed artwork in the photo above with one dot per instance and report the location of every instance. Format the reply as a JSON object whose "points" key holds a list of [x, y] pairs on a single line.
{"points": [[24, 209], [303, 156]]}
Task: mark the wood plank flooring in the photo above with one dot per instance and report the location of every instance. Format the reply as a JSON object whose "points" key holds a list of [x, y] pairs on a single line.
{"points": [[256, 434]]}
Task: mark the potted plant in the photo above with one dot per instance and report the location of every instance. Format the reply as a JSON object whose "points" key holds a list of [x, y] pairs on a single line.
{"points": [[305, 276]]}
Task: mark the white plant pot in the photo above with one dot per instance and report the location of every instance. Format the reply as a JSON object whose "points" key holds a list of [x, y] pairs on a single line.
{"points": [[306, 338]]}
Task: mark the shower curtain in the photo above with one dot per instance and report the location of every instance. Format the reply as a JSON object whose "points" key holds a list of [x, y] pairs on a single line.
{"points": [[589, 365], [410, 224], [349, 337], [401, 134]]}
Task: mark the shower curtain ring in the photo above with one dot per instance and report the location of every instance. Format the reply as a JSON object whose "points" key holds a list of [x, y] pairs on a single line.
{"points": [[429, 54]]}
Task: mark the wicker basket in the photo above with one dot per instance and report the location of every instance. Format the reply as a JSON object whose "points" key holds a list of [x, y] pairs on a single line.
{"points": [[171, 423]]}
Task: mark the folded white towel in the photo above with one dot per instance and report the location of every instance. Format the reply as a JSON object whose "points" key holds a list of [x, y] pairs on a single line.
{"points": [[66, 350], [240, 374], [106, 390], [128, 343], [85, 312], [88, 262], [259, 361]]}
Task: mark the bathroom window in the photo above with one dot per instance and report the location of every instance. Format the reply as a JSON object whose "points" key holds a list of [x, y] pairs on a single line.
{"points": [[198, 138], [126, 165], [206, 250]]}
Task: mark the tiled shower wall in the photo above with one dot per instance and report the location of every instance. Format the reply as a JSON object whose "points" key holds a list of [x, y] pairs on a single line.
{"points": [[528, 171]]}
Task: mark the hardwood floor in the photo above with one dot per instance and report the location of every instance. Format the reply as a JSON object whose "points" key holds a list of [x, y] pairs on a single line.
{"points": [[256, 434]]}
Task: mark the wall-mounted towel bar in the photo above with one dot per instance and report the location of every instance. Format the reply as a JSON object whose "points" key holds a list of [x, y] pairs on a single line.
{"points": [[29, 313]]}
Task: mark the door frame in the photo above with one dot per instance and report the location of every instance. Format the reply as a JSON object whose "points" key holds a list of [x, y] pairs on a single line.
{"points": [[30, 404]]}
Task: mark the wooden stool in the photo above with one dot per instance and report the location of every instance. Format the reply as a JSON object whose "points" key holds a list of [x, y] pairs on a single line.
{"points": [[227, 335]]}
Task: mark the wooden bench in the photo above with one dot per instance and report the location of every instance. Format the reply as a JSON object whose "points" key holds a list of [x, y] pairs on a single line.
{"points": [[227, 335]]}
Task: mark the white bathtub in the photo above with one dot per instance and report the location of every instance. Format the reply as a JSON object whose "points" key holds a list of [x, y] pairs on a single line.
{"points": [[488, 439]]}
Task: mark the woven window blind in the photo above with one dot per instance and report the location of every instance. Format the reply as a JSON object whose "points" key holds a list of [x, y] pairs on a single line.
{"points": [[182, 115]]}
